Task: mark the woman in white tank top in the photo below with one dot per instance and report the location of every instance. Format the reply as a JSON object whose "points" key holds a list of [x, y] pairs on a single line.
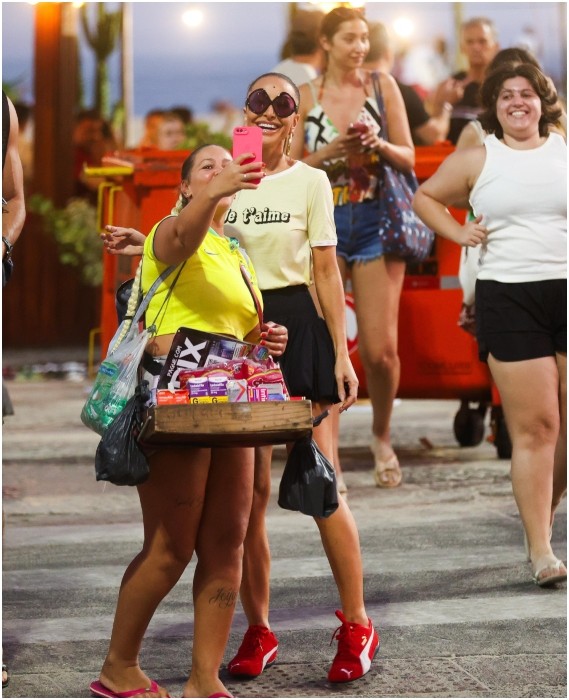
{"points": [[516, 183]]}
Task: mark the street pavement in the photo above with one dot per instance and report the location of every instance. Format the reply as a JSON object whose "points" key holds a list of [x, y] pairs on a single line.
{"points": [[446, 581]]}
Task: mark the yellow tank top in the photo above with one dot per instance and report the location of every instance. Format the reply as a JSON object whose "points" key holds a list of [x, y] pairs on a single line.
{"points": [[210, 293]]}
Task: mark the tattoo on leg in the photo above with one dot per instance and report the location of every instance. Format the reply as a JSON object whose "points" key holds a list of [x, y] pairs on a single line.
{"points": [[224, 598]]}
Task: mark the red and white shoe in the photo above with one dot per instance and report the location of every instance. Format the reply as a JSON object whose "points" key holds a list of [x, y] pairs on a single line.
{"points": [[357, 645], [257, 651]]}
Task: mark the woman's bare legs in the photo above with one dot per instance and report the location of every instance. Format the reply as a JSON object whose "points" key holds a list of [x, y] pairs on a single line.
{"points": [[217, 578], [255, 587], [377, 286], [560, 462], [340, 539], [530, 392], [186, 505], [172, 501]]}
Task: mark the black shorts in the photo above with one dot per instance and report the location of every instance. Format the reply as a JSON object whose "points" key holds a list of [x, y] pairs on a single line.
{"points": [[521, 321], [309, 359]]}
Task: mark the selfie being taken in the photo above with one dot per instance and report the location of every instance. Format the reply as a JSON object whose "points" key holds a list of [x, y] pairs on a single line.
{"points": [[284, 349]]}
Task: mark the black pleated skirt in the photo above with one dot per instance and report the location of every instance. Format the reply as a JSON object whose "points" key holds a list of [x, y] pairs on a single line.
{"points": [[308, 361]]}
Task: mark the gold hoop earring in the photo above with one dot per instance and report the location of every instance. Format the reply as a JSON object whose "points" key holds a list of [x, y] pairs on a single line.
{"points": [[287, 144]]}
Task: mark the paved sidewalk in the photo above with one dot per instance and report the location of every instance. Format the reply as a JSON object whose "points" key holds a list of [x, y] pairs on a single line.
{"points": [[445, 577]]}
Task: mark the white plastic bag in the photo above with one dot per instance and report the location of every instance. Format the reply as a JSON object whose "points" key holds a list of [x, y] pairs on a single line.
{"points": [[115, 382]]}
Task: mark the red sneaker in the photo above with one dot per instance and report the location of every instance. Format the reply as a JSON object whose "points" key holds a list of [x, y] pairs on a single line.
{"points": [[357, 645], [258, 650]]}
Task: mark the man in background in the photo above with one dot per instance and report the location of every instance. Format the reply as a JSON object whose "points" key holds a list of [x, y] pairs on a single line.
{"points": [[479, 43], [302, 56], [425, 129]]}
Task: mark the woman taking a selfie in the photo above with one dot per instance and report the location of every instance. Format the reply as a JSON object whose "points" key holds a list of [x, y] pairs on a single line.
{"points": [[195, 499], [516, 184], [287, 228]]}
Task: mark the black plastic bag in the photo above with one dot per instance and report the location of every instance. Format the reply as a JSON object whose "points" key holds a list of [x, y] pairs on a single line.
{"points": [[120, 458], [308, 483]]}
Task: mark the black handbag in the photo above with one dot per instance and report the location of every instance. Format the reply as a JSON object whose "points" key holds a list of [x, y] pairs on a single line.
{"points": [[402, 232]]}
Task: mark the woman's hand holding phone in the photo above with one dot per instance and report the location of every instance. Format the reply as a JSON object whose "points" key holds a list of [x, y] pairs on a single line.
{"points": [[248, 142]]}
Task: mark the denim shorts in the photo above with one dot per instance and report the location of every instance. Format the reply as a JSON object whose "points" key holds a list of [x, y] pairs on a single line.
{"points": [[357, 226]]}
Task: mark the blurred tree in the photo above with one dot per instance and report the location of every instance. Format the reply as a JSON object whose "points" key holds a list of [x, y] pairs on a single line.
{"points": [[102, 37]]}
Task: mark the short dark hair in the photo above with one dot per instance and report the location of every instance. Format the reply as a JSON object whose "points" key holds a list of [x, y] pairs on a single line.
{"points": [[185, 113], [379, 42], [513, 54], [550, 110], [303, 35], [480, 22]]}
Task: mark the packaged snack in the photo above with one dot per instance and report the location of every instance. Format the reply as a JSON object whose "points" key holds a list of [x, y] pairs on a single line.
{"points": [[217, 385], [197, 386], [256, 394], [237, 390], [166, 397]]}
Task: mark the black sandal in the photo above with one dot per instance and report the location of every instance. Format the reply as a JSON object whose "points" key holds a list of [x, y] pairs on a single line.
{"points": [[6, 680]]}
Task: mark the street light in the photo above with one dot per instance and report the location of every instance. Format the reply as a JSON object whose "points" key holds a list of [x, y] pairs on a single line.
{"points": [[193, 17], [404, 28]]}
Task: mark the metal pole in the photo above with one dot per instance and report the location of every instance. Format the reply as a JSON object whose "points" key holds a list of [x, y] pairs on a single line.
{"points": [[458, 14], [127, 90], [55, 89], [563, 28]]}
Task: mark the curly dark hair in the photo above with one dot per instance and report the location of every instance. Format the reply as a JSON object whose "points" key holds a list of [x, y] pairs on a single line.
{"points": [[550, 110]]}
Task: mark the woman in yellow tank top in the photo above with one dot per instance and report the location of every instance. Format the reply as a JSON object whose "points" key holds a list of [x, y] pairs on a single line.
{"points": [[195, 499]]}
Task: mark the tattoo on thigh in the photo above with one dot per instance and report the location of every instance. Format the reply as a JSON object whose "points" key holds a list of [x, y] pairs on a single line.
{"points": [[224, 598]]}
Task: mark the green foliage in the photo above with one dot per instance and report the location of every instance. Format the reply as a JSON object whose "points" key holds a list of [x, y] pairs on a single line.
{"points": [[13, 89], [75, 232], [102, 37], [198, 133]]}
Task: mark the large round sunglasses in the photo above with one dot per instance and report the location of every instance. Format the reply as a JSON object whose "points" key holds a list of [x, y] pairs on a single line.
{"points": [[283, 104]]}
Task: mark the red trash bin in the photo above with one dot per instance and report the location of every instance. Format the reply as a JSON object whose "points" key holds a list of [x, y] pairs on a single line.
{"points": [[140, 187]]}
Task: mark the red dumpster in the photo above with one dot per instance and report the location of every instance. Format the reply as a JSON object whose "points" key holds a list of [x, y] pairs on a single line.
{"points": [[140, 187]]}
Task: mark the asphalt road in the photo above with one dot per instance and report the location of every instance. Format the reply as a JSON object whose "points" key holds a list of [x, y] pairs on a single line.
{"points": [[446, 581]]}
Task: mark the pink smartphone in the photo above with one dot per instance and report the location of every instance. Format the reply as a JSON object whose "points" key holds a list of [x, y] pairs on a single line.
{"points": [[248, 139]]}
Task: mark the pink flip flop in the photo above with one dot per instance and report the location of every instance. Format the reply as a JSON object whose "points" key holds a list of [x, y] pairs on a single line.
{"points": [[101, 691]]}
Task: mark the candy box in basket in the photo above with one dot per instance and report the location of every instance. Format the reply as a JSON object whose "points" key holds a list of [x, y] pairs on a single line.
{"points": [[191, 349]]}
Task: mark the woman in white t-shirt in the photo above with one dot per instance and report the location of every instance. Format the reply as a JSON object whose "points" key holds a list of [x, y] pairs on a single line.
{"points": [[288, 230], [516, 184]]}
